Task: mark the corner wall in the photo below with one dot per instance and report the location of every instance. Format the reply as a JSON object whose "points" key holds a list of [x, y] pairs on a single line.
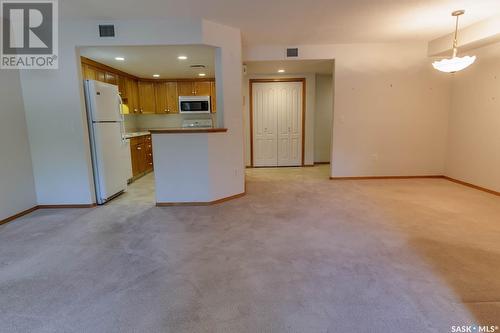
{"points": [[323, 118], [474, 123], [17, 186]]}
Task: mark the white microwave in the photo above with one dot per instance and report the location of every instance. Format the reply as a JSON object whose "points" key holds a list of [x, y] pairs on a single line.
{"points": [[194, 104]]}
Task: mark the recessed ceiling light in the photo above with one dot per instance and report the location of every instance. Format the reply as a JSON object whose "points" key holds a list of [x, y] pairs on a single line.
{"points": [[156, 75], [281, 71], [202, 74], [182, 57], [120, 58]]}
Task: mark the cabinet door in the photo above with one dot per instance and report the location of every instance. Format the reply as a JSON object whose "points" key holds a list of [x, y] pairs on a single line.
{"points": [[89, 72], [148, 146], [147, 97], [138, 156], [161, 97], [100, 75], [185, 88], [213, 97], [134, 95], [172, 97], [111, 78], [122, 87], [202, 88]]}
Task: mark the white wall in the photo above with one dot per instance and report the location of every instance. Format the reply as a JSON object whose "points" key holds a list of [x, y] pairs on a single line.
{"points": [[474, 123], [323, 118], [309, 112], [391, 107], [17, 187]]}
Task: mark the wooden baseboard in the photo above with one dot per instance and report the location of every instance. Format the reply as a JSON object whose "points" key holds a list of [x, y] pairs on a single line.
{"points": [[32, 209], [472, 186], [386, 177], [18, 215], [422, 177], [208, 203], [66, 206]]}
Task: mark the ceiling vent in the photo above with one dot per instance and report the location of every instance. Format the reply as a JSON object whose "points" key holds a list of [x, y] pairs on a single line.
{"points": [[292, 52], [106, 30], [198, 66]]}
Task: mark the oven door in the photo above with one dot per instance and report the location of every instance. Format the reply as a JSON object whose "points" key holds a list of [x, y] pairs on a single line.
{"points": [[194, 105]]}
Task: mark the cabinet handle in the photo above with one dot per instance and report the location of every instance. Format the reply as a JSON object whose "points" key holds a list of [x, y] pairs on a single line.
{"points": [[165, 110], [150, 163], [139, 148], [150, 154]]}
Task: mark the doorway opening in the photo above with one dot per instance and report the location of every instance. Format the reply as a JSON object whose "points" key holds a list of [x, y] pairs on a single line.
{"points": [[288, 112], [131, 91]]}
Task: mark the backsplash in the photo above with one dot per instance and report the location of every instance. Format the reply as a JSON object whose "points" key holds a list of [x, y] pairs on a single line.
{"points": [[139, 122]]}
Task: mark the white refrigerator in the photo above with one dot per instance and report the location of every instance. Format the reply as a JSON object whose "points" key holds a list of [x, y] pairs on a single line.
{"points": [[110, 150]]}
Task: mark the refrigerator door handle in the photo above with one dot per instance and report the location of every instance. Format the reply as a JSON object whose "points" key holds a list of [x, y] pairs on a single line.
{"points": [[122, 125]]}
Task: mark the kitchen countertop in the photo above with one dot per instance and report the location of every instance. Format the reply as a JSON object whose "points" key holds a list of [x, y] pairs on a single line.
{"points": [[187, 130], [136, 134]]}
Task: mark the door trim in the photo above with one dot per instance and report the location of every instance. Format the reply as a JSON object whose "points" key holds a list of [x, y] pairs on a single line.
{"points": [[303, 81]]}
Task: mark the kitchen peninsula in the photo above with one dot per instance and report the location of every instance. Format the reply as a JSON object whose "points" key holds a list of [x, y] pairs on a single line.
{"points": [[181, 157]]}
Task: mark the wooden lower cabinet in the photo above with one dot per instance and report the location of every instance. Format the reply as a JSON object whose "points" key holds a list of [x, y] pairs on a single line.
{"points": [[141, 149]]}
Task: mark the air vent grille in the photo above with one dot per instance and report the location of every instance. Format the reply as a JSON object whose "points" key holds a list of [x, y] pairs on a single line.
{"points": [[198, 66], [106, 30], [292, 52]]}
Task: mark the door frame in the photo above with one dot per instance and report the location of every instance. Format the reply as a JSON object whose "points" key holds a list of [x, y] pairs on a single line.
{"points": [[303, 134]]}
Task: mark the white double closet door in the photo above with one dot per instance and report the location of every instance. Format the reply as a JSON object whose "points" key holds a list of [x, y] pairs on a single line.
{"points": [[277, 123]]}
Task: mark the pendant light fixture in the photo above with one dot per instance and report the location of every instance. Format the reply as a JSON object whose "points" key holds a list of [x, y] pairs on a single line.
{"points": [[454, 64]]}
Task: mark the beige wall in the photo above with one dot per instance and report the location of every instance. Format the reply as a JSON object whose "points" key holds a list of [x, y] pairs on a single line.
{"points": [[474, 123], [17, 187], [391, 108], [323, 118]]}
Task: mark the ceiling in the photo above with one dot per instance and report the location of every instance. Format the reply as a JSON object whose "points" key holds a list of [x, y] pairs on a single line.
{"points": [[144, 61], [290, 66], [302, 21]]}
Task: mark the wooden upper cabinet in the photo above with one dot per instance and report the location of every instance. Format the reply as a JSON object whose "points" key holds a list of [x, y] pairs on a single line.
{"points": [[172, 97], [111, 78], [185, 88], [100, 75], [122, 87], [202, 88], [147, 98], [133, 95], [166, 97], [161, 97], [213, 97], [89, 72]]}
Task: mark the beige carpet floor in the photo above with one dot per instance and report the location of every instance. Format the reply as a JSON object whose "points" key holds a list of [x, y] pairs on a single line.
{"points": [[298, 253]]}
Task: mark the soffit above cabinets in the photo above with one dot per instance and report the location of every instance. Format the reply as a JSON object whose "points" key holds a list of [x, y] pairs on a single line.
{"points": [[144, 61]]}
